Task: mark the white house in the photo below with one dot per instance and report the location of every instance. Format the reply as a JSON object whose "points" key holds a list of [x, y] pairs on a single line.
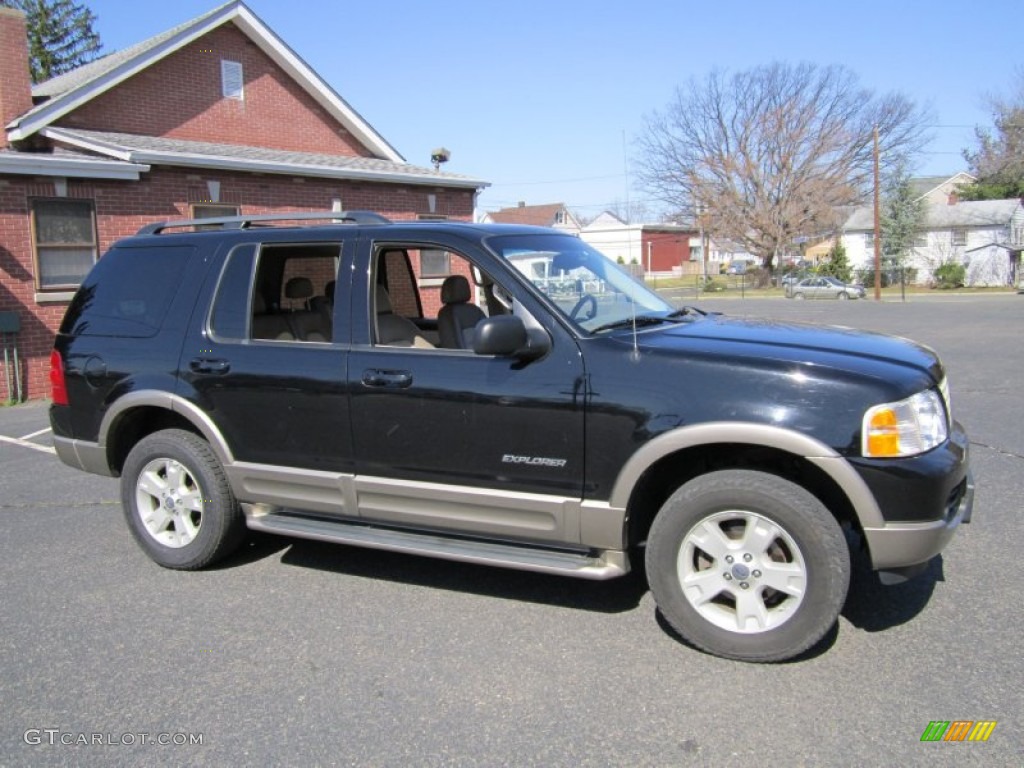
{"points": [[986, 236], [657, 248]]}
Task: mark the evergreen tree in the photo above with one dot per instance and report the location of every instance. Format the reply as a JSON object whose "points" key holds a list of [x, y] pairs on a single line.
{"points": [[837, 265], [60, 36], [903, 218]]}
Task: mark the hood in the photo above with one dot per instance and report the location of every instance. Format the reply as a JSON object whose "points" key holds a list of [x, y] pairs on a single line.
{"points": [[829, 346]]}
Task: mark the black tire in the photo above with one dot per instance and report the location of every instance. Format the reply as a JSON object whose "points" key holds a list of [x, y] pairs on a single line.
{"points": [[844, 296], [178, 503], [798, 296], [799, 536]]}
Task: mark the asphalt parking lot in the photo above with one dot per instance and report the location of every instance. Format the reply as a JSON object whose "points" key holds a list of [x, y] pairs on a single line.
{"points": [[300, 653]]}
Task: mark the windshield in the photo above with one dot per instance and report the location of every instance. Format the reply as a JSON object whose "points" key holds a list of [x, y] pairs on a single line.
{"points": [[585, 285]]}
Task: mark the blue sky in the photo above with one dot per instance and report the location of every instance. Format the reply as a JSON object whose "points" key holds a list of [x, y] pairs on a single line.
{"points": [[544, 99]]}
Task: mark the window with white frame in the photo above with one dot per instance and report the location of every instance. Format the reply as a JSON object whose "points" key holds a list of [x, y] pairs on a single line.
{"points": [[959, 236], [869, 242], [921, 240], [64, 241]]}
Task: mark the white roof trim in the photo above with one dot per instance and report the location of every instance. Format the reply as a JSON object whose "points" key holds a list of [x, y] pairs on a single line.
{"points": [[196, 160], [27, 164], [258, 32]]}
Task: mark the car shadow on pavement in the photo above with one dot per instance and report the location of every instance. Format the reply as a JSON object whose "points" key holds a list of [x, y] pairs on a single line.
{"points": [[875, 607], [613, 596], [256, 546]]}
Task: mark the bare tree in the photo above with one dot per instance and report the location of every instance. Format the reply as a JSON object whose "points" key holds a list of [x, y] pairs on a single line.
{"points": [[998, 161], [771, 153]]}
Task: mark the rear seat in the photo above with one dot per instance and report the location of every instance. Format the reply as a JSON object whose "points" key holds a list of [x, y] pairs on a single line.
{"points": [[306, 324], [269, 326]]}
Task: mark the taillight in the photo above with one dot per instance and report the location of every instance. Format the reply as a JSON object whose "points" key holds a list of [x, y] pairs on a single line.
{"points": [[58, 389]]}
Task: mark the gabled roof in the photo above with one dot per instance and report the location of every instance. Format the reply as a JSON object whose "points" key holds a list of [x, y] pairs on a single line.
{"points": [[158, 150], [923, 185], [535, 215], [972, 213], [605, 220], [73, 89]]}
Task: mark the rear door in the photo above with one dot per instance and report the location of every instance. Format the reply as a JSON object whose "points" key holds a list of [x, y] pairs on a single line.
{"points": [[278, 391]]}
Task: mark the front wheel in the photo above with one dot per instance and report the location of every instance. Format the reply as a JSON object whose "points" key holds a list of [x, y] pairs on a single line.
{"points": [[799, 297], [747, 565], [177, 501], [844, 296]]}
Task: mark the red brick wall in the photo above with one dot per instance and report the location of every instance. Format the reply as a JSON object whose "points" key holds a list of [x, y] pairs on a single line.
{"points": [[180, 97], [166, 193]]}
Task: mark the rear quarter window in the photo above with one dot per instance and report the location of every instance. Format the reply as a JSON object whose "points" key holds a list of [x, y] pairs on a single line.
{"points": [[128, 292]]}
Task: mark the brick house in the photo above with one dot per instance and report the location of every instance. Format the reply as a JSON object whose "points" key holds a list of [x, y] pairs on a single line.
{"points": [[554, 215], [217, 116]]}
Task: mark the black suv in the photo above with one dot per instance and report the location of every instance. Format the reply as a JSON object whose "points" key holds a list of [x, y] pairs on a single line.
{"points": [[502, 395]]}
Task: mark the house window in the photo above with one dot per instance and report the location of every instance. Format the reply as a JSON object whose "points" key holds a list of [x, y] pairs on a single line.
{"points": [[959, 236], [207, 211], [869, 242], [435, 263], [64, 237], [231, 79], [921, 240], [560, 217]]}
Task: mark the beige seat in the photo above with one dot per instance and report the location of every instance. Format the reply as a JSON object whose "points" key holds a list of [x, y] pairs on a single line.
{"points": [[456, 322], [394, 330], [269, 326], [307, 324]]}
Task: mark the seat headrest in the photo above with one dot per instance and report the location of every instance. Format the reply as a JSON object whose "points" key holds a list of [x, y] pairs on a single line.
{"points": [[455, 290], [383, 301], [298, 288]]}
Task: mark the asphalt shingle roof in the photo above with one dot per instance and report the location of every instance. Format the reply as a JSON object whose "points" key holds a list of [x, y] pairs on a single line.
{"points": [[126, 143], [975, 213]]}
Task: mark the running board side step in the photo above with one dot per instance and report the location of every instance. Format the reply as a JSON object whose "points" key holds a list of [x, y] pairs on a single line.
{"points": [[609, 565]]}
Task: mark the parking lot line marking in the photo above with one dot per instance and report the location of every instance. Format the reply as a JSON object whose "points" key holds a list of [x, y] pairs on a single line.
{"points": [[35, 434], [27, 444]]}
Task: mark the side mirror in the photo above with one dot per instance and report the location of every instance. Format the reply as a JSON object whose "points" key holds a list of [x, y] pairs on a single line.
{"points": [[506, 336]]}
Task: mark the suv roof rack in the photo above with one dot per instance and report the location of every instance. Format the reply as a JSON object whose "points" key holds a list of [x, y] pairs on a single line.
{"points": [[244, 222]]}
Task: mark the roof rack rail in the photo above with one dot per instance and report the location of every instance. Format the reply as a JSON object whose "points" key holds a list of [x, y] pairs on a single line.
{"points": [[244, 222]]}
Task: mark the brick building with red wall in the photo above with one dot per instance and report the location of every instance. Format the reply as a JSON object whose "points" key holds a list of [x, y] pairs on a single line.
{"points": [[217, 116]]}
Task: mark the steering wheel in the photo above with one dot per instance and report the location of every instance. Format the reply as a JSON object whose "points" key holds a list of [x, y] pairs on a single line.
{"points": [[577, 314]]}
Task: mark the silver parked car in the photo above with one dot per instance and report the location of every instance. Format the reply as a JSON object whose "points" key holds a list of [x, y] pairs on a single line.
{"points": [[823, 288]]}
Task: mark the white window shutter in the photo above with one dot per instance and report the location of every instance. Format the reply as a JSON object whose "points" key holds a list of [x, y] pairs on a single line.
{"points": [[231, 79]]}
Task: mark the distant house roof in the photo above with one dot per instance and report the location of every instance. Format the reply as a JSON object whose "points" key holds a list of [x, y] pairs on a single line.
{"points": [[71, 90], [976, 213], [535, 215], [156, 150], [923, 185]]}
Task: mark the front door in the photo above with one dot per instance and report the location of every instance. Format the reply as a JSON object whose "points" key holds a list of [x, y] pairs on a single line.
{"points": [[449, 439]]}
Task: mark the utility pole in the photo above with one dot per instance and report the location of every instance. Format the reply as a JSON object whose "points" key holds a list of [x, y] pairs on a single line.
{"points": [[878, 227]]}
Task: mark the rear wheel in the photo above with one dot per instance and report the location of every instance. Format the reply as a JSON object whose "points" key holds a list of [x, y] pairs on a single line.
{"points": [[844, 296], [799, 296], [177, 501], [747, 565]]}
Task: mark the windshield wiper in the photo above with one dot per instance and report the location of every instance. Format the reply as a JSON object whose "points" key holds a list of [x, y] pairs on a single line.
{"points": [[627, 322]]}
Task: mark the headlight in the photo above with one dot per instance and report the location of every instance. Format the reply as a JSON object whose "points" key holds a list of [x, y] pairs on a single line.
{"points": [[906, 428]]}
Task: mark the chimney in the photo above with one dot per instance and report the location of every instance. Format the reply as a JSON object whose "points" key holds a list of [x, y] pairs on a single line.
{"points": [[522, 203], [954, 198], [15, 80]]}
